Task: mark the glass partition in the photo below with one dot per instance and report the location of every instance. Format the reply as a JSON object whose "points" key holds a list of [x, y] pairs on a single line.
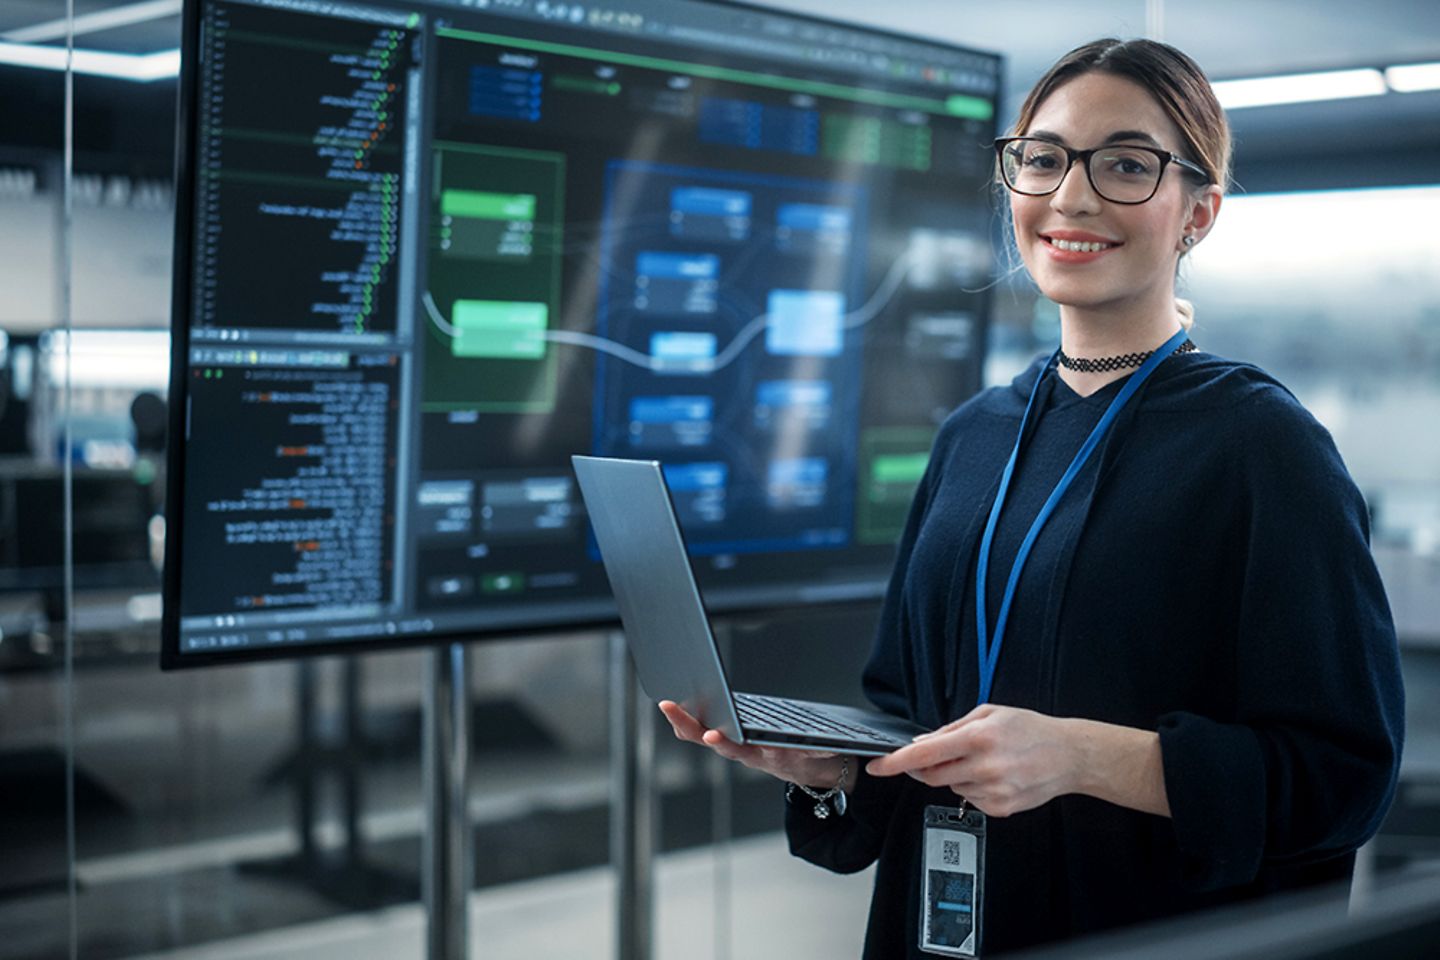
{"points": [[35, 906]]}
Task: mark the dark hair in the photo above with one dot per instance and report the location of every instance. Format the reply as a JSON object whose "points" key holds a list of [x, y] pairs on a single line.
{"points": [[1176, 82]]}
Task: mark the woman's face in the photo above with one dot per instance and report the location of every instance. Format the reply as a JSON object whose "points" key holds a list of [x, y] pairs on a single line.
{"points": [[1138, 269]]}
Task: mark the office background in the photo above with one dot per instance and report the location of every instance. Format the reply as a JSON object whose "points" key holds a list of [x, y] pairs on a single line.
{"points": [[195, 795]]}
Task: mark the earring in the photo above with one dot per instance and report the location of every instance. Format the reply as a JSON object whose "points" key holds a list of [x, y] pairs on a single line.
{"points": [[1189, 242]]}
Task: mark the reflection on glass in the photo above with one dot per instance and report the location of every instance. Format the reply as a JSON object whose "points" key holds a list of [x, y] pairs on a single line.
{"points": [[1337, 295]]}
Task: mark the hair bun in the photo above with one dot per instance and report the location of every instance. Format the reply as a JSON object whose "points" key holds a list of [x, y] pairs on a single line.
{"points": [[1186, 310]]}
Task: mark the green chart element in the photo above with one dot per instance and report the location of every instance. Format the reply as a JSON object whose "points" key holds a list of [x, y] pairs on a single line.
{"points": [[479, 225], [499, 329], [487, 206], [494, 277], [892, 462], [875, 141]]}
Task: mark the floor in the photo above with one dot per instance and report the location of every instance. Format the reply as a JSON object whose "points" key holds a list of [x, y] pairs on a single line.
{"points": [[780, 907]]}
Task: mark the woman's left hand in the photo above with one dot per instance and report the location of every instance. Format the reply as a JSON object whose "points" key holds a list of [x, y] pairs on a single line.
{"points": [[1003, 760]]}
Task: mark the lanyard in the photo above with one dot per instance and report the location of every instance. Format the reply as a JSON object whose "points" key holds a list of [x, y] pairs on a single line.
{"points": [[989, 648]]}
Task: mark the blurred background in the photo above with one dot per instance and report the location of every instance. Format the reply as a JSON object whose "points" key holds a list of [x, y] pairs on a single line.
{"points": [[275, 809]]}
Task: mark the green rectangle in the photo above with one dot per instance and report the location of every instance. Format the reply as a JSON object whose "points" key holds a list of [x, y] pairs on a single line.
{"points": [[494, 583], [487, 206], [894, 460], [905, 468], [581, 84], [974, 108], [500, 329]]}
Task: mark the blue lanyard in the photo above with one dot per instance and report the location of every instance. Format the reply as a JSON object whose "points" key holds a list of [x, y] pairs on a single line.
{"points": [[989, 648]]}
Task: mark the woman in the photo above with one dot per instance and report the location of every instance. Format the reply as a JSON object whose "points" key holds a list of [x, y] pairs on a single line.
{"points": [[1199, 699]]}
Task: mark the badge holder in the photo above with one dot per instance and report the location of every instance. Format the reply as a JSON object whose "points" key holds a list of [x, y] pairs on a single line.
{"points": [[953, 881]]}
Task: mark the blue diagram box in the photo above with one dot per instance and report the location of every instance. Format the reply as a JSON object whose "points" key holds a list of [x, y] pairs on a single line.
{"points": [[698, 491], [675, 421], [801, 402], [676, 282], [757, 126], [805, 323], [710, 213], [813, 228], [680, 351], [796, 482], [506, 92]]}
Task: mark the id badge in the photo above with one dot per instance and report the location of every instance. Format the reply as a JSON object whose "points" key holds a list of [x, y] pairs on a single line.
{"points": [[954, 881]]}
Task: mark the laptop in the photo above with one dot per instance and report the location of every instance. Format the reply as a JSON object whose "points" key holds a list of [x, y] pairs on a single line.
{"points": [[668, 630]]}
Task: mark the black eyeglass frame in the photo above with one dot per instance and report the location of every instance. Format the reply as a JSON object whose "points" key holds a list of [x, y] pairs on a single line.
{"points": [[1083, 157]]}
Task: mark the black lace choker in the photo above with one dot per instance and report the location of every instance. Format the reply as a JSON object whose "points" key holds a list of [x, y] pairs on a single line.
{"points": [[1110, 364]]}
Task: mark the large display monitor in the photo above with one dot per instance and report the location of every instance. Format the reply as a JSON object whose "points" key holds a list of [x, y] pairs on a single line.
{"points": [[428, 250]]}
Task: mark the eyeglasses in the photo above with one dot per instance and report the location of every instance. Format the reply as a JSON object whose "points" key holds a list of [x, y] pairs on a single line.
{"points": [[1120, 174]]}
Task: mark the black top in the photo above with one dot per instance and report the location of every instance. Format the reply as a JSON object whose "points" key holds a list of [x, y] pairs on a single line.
{"points": [[1208, 575]]}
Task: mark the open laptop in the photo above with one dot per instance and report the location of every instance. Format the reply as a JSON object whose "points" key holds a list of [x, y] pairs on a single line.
{"points": [[669, 634]]}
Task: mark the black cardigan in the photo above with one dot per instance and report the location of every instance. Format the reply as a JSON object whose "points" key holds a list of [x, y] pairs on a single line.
{"points": [[1207, 576]]}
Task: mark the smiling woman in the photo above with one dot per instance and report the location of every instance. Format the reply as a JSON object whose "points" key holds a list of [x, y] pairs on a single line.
{"points": [[1105, 244], [1199, 700]]}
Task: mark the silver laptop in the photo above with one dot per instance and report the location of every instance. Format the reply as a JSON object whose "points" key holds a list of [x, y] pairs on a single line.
{"points": [[669, 634]]}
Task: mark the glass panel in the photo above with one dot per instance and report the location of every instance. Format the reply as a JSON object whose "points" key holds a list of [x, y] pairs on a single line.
{"points": [[1336, 294], [34, 904]]}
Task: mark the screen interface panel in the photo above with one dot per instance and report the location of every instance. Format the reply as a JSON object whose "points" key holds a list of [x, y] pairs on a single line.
{"points": [[430, 250]]}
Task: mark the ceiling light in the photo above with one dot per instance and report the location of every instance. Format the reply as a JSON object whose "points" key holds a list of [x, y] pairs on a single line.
{"points": [[125, 66], [1414, 77], [94, 22], [1299, 88]]}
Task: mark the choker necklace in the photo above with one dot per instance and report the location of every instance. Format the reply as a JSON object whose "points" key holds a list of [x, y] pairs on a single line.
{"points": [[1110, 364]]}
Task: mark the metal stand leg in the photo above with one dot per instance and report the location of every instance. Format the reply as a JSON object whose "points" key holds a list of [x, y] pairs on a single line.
{"points": [[306, 752], [632, 806], [447, 870], [721, 832], [1362, 881], [354, 760], [722, 828]]}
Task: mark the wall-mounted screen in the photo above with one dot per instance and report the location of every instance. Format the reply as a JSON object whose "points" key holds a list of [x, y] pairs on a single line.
{"points": [[426, 251]]}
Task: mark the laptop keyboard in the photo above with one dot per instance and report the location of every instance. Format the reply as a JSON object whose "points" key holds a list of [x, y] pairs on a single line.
{"points": [[786, 716]]}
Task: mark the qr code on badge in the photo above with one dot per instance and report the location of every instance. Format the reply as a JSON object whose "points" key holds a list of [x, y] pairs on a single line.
{"points": [[951, 853]]}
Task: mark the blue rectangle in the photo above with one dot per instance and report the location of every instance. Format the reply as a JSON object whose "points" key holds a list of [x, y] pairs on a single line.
{"points": [[814, 218], [682, 266], [797, 484], [671, 409], [696, 477], [758, 126], [793, 393], [506, 92], [734, 123], [800, 471], [805, 323], [710, 202], [665, 423], [681, 345], [790, 131]]}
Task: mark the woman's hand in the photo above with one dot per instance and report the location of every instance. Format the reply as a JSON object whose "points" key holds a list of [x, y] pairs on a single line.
{"points": [[807, 767], [1006, 760], [1002, 760]]}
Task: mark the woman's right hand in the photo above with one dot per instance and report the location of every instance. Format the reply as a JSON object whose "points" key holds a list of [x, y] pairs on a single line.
{"points": [[806, 767]]}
